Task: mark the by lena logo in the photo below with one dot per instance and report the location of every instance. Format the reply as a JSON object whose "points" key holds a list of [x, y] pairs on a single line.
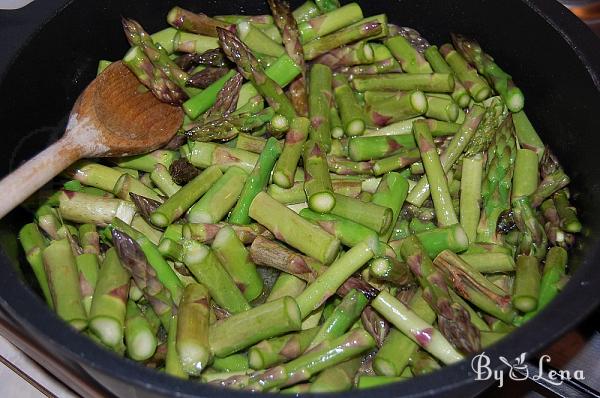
{"points": [[518, 370]]}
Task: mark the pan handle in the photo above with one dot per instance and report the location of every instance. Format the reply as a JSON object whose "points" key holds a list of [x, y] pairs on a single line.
{"points": [[569, 388]]}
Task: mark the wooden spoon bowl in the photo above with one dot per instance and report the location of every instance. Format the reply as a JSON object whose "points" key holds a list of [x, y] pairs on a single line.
{"points": [[114, 116]]}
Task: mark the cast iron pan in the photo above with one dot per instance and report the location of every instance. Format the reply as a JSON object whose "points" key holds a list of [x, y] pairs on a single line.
{"points": [[50, 52]]}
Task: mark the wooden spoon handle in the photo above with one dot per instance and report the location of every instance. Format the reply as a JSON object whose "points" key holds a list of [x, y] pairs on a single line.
{"points": [[31, 176]]}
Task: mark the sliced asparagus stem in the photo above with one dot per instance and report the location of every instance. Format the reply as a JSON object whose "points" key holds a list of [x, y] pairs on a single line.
{"points": [[477, 87], [192, 329], [319, 103], [277, 350], [527, 284], [285, 168], [371, 215], [33, 245], [317, 182], [470, 194], [286, 285], [336, 378], [63, 282], [293, 229], [87, 266], [249, 327], [162, 179], [85, 208], [214, 205], [173, 364], [139, 338], [236, 260], [427, 82], [206, 268]]}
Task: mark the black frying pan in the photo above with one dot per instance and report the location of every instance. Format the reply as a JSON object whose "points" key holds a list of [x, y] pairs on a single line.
{"points": [[49, 52]]}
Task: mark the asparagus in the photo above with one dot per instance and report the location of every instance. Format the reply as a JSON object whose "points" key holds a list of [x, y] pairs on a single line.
{"points": [[257, 40], [256, 182], [205, 233], [177, 204], [292, 41], [391, 192], [148, 161], [285, 168], [133, 260], [435, 175], [235, 259], [428, 82], [533, 237], [495, 114], [496, 187], [306, 11], [329, 22], [415, 328], [293, 229], [343, 166], [439, 65], [185, 42], [442, 107], [249, 327], [453, 318], [317, 182], [87, 266], [351, 113], [85, 208], [394, 355], [323, 356], [173, 365], [319, 103], [568, 217], [553, 179], [186, 20], [241, 55], [527, 284], [391, 270], [366, 381], [327, 5], [458, 144], [342, 317], [371, 215], [398, 106], [490, 262], [409, 58], [436, 240], [377, 147], [94, 175], [554, 271], [269, 253], [367, 28], [502, 81], [162, 179], [182, 171], [474, 287], [336, 378], [33, 244], [154, 78], [226, 128], [63, 283], [220, 198], [342, 58], [232, 363], [139, 338], [280, 349], [470, 193], [192, 329], [206, 268], [108, 307], [286, 285], [477, 87], [331, 279], [127, 185], [526, 134], [400, 160]]}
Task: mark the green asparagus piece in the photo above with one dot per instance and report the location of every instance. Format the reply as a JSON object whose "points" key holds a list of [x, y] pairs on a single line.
{"points": [[317, 182], [328, 353], [177, 204], [258, 41], [330, 280], [490, 262], [194, 22], [63, 283], [336, 378], [399, 106], [235, 259], [127, 185], [173, 365], [329, 22], [286, 285], [206, 268], [185, 42], [470, 194], [435, 175], [502, 81], [527, 284], [205, 233], [404, 158], [439, 65], [351, 113], [205, 154], [496, 187], [442, 107], [371, 215], [415, 328], [378, 147], [319, 103], [391, 270], [526, 134], [477, 87], [427, 82], [342, 58], [533, 237], [162, 179], [94, 175], [553, 179], [33, 245], [364, 29], [220, 198], [276, 350], [256, 182], [146, 162], [251, 70], [306, 11], [232, 363], [87, 266], [474, 287], [85, 208], [408, 57], [192, 329], [568, 217], [249, 327], [140, 340], [285, 168], [391, 193], [293, 229]]}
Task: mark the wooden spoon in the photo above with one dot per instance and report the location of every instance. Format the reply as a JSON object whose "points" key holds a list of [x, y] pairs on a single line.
{"points": [[112, 117]]}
